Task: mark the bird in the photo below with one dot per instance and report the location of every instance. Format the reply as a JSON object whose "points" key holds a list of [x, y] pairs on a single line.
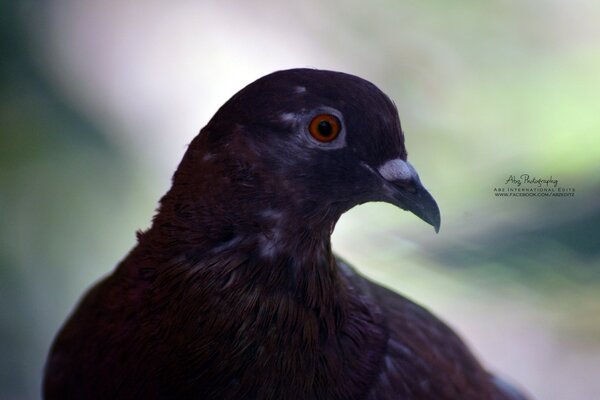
{"points": [[234, 291]]}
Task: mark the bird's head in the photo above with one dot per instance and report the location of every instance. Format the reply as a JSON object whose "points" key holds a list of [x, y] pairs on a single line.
{"points": [[315, 143]]}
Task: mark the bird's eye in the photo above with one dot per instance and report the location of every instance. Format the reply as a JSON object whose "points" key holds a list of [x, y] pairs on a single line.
{"points": [[324, 127]]}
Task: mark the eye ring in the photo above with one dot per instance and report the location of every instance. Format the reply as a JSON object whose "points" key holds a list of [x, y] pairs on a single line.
{"points": [[325, 127]]}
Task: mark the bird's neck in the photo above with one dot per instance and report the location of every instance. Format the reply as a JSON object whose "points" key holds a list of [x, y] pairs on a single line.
{"points": [[267, 291], [270, 249]]}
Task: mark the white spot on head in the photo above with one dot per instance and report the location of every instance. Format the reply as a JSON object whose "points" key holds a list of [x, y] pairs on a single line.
{"points": [[287, 117], [299, 89], [398, 170], [270, 242], [271, 213], [207, 157], [397, 348]]}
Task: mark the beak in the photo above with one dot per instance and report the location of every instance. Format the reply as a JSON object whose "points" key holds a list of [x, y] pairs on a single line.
{"points": [[403, 189]]}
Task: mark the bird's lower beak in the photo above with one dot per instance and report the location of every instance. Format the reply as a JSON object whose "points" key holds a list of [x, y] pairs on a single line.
{"points": [[403, 188]]}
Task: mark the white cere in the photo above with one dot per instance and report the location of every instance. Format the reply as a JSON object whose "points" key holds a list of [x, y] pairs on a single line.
{"points": [[397, 170]]}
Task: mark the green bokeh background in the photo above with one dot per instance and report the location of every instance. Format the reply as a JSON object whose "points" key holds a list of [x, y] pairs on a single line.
{"points": [[485, 90]]}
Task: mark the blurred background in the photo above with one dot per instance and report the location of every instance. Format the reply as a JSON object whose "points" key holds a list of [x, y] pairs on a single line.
{"points": [[98, 101]]}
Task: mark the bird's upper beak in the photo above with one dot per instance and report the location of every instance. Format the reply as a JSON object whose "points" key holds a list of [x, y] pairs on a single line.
{"points": [[403, 188]]}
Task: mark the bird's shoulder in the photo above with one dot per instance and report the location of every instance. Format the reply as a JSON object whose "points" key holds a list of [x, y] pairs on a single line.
{"points": [[71, 353], [110, 326], [423, 357]]}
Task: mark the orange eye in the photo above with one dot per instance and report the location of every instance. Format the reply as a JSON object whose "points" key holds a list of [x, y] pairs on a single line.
{"points": [[324, 127]]}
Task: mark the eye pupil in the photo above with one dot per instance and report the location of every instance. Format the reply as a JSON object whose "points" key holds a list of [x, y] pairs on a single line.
{"points": [[325, 128]]}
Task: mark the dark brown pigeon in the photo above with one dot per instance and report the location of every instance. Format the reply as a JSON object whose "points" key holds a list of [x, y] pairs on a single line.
{"points": [[234, 292]]}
